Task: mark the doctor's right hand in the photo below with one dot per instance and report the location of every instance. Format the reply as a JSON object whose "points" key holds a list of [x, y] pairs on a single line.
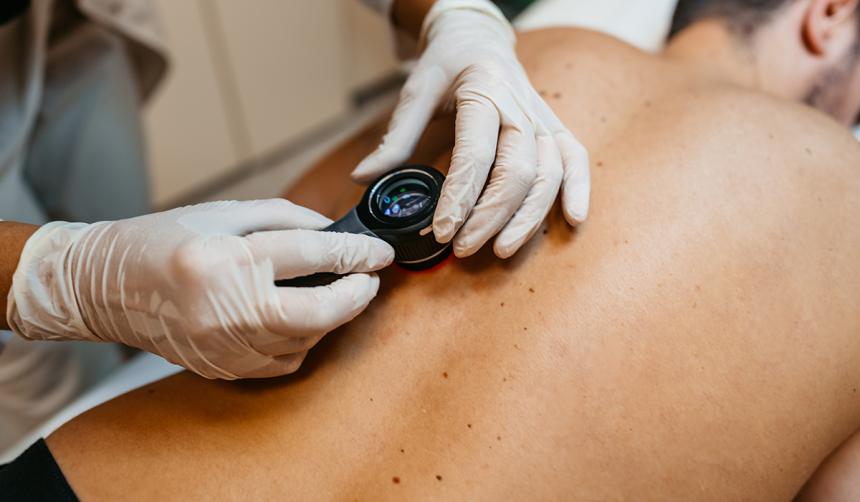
{"points": [[196, 285]]}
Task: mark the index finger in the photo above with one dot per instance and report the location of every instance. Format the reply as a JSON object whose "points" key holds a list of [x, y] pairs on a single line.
{"points": [[297, 253], [476, 139]]}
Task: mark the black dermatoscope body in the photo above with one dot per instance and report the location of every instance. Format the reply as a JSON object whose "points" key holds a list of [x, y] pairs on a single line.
{"points": [[397, 208]]}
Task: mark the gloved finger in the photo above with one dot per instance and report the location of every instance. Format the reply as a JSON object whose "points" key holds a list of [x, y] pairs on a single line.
{"points": [[244, 217], [297, 253], [576, 186], [278, 366], [539, 200], [510, 181], [421, 94], [309, 311], [476, 136]]}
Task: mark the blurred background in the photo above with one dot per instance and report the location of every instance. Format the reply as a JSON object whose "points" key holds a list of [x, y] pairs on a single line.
{"points": [[255, 95]]}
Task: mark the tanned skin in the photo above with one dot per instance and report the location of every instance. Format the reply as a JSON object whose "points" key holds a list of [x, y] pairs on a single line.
{"points": [[408, 15], [13, 236]]}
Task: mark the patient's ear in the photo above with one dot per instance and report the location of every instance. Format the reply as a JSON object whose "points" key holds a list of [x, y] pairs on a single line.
{"points": [[824, 21]]}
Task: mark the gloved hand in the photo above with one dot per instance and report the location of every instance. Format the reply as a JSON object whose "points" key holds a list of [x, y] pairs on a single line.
{"points": [[504, 130], [196, 285]]}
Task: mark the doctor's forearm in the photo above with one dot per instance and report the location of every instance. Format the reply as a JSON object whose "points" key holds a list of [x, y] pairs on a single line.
{"points": [[13, 236], [408, 15]]}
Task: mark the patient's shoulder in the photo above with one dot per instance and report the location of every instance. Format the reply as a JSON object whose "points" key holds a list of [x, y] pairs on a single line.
{"points": [[574, 44], [777, 135]]}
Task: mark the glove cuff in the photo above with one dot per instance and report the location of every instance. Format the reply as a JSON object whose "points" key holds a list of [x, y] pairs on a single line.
{"points": [[482, 6], [42, 304]]}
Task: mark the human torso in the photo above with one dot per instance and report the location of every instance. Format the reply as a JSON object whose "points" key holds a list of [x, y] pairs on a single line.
{"points": [[697, 338]]}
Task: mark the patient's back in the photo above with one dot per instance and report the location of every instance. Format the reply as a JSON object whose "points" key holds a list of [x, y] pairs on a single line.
{"points": [[697, 338]]}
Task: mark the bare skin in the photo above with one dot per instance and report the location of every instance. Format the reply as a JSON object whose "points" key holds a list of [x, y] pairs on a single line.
{"points": [[696, 339], [13, 236], [408, 15]]}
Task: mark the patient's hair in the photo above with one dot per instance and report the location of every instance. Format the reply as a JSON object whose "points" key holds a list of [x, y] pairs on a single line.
{"points": [[742, 16]]}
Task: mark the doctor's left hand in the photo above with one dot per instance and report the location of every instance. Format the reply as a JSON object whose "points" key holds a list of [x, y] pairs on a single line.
{"points": [[505, 132], [196, 285]]}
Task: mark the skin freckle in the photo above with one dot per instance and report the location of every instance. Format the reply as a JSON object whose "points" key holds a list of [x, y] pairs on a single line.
{"points": [[469, 425], [445, 375], [395, 480], [556, 95], [531, 290], [599, 163], [402, 450], [438, 478]]}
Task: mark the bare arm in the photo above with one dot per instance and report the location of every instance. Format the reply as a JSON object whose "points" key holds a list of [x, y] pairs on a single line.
{"points": [[408, 15], [12, 239]]}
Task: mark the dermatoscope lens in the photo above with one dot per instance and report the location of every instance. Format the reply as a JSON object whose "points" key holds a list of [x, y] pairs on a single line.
{"points": [[404, 198]]}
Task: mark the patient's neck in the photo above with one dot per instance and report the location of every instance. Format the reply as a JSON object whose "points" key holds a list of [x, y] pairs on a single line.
{"points": [[712, 53]]}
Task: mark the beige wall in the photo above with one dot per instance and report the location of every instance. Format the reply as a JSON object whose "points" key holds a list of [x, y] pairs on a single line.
{"points": [[251, 76]]}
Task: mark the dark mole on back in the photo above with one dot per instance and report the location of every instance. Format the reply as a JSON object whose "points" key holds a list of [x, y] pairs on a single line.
{"points": [[438, 478], [395, 480], [445, 374], [531, 290]]}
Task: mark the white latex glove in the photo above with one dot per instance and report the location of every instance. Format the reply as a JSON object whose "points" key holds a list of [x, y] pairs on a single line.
{"points": [[196, 285], [504, 131]]}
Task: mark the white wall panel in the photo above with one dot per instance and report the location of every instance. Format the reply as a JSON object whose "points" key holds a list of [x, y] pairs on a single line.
{"points": [[186, 124], [288, 59]]}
